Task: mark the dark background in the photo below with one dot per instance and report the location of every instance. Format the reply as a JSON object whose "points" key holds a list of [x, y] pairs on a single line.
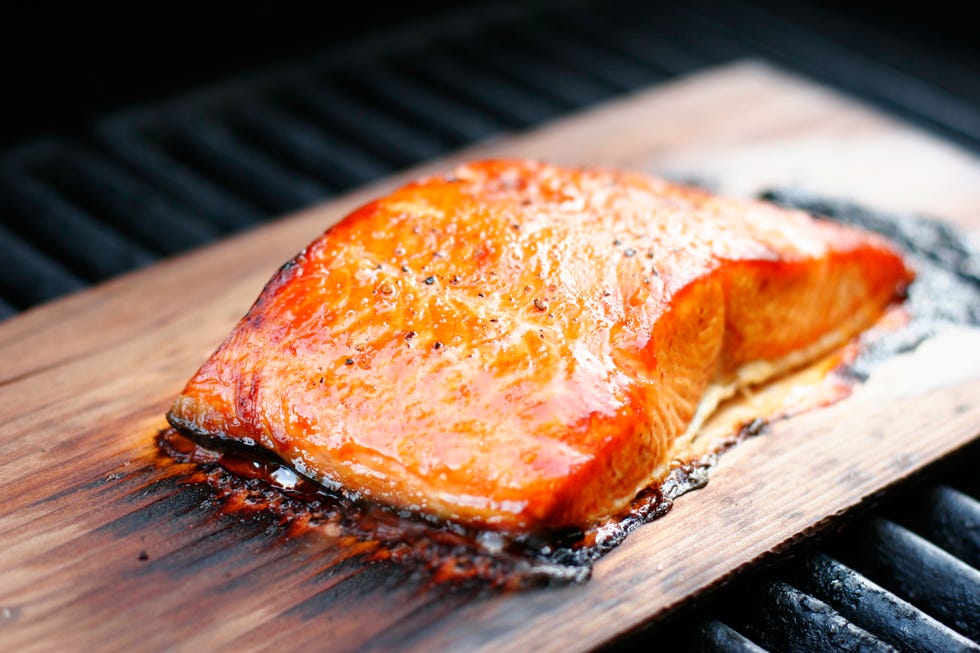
{"points": [[65, 65], [134, 131]]}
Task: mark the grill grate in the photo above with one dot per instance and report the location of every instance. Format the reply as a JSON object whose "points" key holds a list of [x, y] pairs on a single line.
{"points": [[901, 577], [147, 183]]}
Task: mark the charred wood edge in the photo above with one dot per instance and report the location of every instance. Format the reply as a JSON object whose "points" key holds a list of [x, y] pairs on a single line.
{"points": [[537, 557], [559, 556], [220, 443]]}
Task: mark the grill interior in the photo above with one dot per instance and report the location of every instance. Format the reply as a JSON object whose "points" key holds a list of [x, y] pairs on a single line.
{"points": [[148, 182], [151, 181], [902, 576]]}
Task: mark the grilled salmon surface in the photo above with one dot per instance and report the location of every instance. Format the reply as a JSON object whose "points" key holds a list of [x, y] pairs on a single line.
{"points": [[522, 346]]}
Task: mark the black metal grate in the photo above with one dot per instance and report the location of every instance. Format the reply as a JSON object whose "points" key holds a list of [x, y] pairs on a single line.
{"points": [[146, 183], [903, 577]]}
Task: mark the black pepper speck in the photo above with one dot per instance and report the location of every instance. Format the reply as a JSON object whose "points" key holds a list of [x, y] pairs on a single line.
{"points": [[349, 361], [430, 280]]}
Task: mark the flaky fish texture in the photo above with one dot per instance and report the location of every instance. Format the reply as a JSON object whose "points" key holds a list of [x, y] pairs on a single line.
{"points": [[521, 346]]}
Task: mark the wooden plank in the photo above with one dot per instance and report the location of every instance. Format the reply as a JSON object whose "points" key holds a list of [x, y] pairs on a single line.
{"points": [[85, 381]]}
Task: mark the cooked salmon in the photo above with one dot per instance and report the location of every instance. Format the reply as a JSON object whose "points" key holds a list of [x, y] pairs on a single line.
{"points": [[521, 346]]}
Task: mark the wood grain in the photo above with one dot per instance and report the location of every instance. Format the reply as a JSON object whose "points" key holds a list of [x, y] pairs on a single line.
{"points": [[85, 381]]}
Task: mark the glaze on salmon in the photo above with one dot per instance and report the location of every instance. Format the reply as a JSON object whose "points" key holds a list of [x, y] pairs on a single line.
{"points": [[522, 346]]}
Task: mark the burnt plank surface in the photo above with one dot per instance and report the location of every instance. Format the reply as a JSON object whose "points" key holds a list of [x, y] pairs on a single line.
{"points": [[105, 548]]}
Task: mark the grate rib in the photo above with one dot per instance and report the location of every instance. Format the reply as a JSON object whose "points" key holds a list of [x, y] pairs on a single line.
{"points": [[334, 162], [793, 621], [432, 108], [55, 226], [925, 575], [244, 170], [666, 53], [121, 202], [368, 124], [29, 277], [717, 637], [516, 106], [878, 611], [588, 55], [137, 141], [560, 83], [952, 521]]}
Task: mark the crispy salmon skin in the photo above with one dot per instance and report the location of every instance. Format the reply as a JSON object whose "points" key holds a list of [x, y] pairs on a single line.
{"points": [[521, 346]]}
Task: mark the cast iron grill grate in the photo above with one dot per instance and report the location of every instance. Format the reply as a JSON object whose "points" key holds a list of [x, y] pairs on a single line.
{"points": [[150, 182], [901, 577]]}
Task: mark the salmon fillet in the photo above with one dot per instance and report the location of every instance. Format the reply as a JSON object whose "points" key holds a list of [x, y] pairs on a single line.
{"points": [[521, 346]]}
